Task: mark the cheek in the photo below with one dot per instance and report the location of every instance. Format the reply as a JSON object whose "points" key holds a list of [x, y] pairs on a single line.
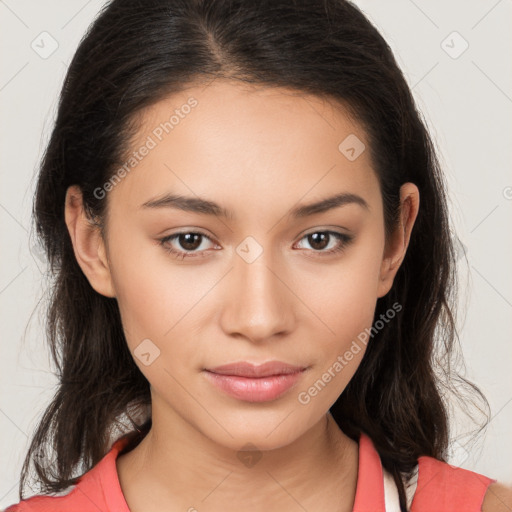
{"points": [[151, 306], [159, 301], [344, 297], [151, 298]]}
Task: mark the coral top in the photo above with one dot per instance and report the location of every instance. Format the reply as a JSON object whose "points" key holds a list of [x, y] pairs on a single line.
{"points": [[440, 487]]}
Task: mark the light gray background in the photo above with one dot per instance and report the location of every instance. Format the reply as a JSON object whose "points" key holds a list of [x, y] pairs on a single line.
{"points": [[466, 99]]}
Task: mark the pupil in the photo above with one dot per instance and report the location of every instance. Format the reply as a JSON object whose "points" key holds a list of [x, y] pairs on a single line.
{"points": [[314, 239], [187, 241]]}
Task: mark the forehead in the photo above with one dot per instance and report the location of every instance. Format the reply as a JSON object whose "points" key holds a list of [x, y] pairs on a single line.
{"points": [[246, 142]]}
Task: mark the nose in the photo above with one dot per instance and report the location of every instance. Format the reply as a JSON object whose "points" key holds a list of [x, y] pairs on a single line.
{"points": [[258, 304]]}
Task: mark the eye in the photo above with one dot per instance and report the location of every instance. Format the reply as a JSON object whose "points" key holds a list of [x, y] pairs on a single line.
{"points": [[189, 241], [319, 240], [189, 244]]}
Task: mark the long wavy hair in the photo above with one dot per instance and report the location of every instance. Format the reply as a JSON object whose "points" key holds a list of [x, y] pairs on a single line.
{"points": [[138, 52]]}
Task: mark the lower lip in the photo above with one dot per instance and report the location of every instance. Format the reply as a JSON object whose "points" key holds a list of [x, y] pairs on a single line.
{"points": [[262, 389]]}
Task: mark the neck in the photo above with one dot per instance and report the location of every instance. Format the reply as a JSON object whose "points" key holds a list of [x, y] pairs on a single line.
{"points": [[176, 467]]}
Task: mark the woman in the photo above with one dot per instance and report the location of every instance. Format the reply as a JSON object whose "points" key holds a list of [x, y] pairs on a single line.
{"points": [[248, 228]]}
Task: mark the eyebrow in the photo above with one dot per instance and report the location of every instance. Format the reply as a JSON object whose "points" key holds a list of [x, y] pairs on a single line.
{"points": [[207, 207]]}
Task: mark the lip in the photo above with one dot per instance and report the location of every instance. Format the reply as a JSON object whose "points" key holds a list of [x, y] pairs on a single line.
{"points": [[246, 369], [251, 383]]}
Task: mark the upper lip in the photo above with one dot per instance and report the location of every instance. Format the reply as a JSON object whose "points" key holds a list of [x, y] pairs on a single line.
{"points": [[246, 369]]}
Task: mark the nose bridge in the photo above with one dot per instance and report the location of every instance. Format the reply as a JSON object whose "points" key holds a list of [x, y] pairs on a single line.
{"points": [[259, 304]]}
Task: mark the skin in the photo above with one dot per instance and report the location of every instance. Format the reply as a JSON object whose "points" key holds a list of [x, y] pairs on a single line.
{"points": [[259, 152], [498, 498]]}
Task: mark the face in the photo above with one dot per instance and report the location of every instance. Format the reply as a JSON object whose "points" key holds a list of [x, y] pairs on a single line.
{"points": [[256, 278]]}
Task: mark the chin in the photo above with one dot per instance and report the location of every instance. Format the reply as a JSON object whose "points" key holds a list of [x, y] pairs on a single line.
{"points": [[266, 431]]}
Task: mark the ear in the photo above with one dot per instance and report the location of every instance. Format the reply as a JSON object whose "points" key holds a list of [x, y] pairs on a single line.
{"points": [[396, 246], [88, 243]]}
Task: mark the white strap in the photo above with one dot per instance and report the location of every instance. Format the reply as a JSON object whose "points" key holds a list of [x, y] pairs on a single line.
{"points": [[410, 487], [391, 501]]}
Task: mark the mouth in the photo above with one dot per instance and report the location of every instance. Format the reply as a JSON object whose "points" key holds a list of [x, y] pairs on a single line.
{"points": [[251, 383]]}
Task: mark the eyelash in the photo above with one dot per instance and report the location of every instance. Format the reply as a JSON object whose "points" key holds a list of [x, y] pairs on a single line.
{"points": [[343, 239]]}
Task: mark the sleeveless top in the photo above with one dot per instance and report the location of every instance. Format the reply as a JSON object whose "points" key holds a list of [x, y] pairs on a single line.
{"points": [[436, 486]]}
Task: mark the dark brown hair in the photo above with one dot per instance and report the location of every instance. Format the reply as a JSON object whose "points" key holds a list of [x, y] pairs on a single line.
{"points": [[139, 52]]}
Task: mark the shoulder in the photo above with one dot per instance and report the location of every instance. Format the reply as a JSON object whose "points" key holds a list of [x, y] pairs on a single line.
{"points": [[97, 489], [73, 497], [49, 502], [498, 498], [445, 488]]}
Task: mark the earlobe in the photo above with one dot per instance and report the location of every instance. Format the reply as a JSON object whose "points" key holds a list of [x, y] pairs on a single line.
{"points": [[88, 243], [396, 246]]}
